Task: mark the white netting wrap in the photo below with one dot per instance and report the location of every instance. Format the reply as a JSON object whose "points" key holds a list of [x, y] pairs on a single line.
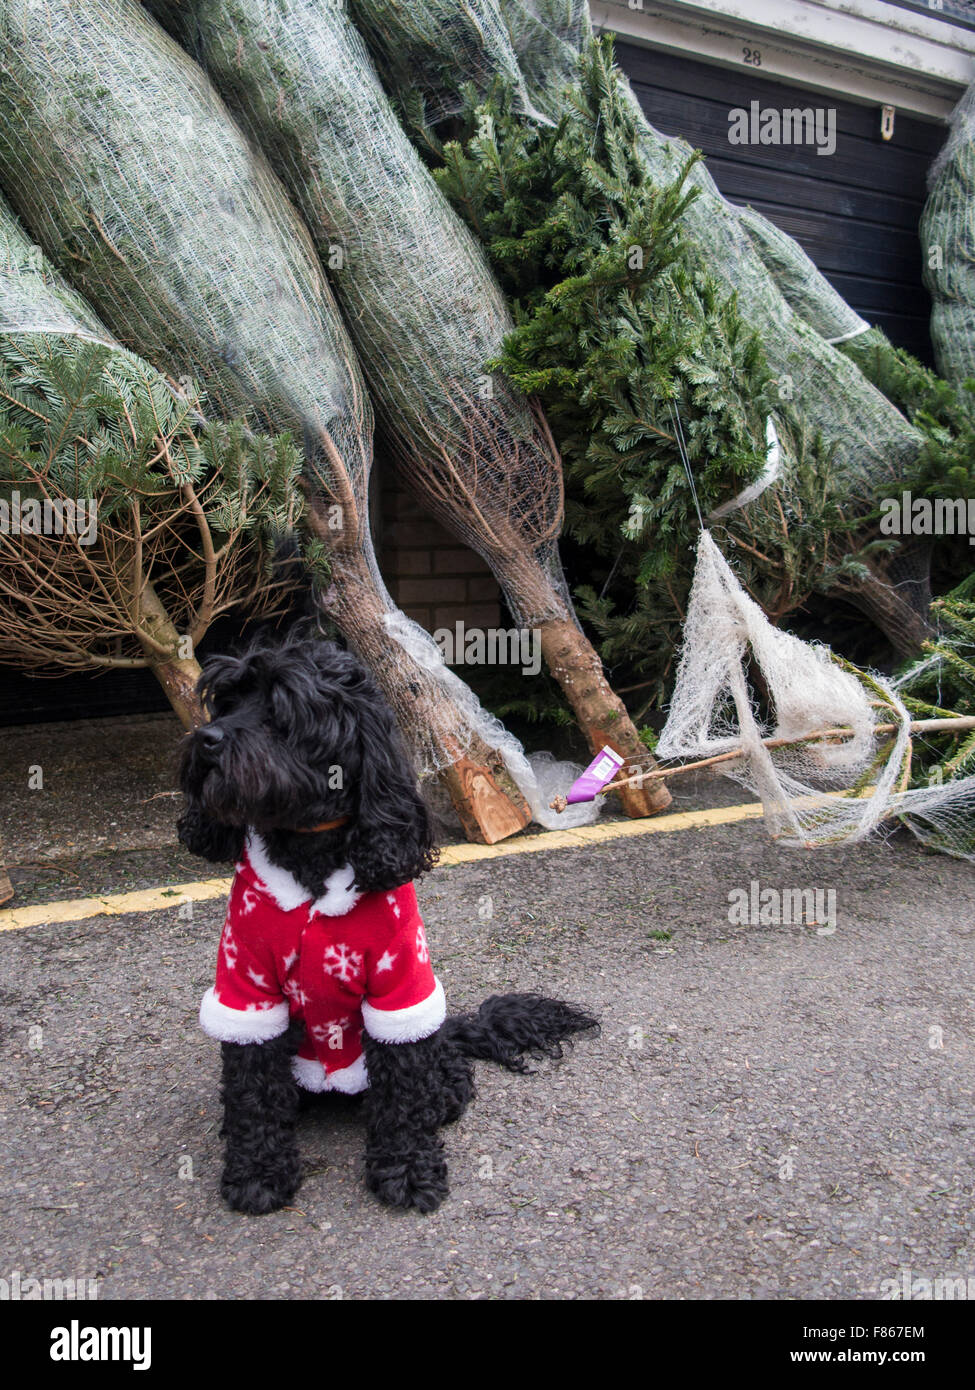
{"points": [[422, 306], [807, 292], [948, 246], [33, 298], [838, 786], [420, 44], [538, 775], [127, 168]]}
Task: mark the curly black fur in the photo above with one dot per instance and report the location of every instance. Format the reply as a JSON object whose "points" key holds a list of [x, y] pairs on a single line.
{"points": [[262, 1170], [506, 1026], [299, 735]]}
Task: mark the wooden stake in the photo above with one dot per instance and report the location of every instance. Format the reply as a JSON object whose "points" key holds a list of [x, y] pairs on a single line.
{"points": [[918, 726]]}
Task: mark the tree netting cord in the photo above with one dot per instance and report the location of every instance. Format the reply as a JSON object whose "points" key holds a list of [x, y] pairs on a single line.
{"points": [[819, 791], [948, 246]]}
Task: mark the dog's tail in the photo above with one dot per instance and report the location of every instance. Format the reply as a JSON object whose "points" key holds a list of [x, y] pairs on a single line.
{"points": [[507, 1026]]}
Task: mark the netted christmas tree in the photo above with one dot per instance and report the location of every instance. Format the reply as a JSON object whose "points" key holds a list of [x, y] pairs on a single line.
{"points": [[128, 169], [870, 443], [646, 368], [131, 522], [941, 683], [947, 234], [424, 312]]}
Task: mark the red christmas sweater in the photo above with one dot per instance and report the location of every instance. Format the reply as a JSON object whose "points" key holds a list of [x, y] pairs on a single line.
{"points": [[342, 962]]}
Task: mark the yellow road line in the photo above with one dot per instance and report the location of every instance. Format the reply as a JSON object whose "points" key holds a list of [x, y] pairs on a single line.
{"points": [[112, 904], [153, 899]]}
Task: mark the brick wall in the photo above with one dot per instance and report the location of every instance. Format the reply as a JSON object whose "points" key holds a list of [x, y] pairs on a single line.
{"points": [[436, 580]]}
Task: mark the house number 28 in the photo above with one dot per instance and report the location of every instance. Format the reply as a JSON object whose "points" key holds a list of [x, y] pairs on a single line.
{"points": [[752, 56]]}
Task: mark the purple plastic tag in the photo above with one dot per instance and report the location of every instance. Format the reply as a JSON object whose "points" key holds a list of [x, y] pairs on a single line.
{"points": [[601, 770]]}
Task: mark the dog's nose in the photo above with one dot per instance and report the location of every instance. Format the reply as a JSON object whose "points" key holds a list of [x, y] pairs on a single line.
{"points": [[210, 735]]}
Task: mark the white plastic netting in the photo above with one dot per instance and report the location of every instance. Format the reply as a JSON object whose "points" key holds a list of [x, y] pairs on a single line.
{"points": [[830, 759], [948, 246], [33, 297], [539, 776], [807, 292], [129, 171]]}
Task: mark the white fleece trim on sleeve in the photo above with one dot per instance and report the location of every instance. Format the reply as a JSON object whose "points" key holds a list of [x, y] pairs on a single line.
{"points": [[406, 1025], [241, 1025]]}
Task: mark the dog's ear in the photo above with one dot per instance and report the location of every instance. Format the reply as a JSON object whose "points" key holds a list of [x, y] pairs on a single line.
{"points": [[201, 835], [392, 840]]}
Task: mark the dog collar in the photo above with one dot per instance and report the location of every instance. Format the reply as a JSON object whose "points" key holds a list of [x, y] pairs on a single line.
{"points": [[324, 825]]}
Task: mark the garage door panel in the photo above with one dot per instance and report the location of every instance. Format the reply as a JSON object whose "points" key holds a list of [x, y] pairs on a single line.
{"points": [[744, 183], [855, 212], [866, 163], [730, 87]]}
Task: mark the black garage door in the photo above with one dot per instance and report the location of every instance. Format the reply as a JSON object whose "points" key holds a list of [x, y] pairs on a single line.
{"points": [[855, 212]]}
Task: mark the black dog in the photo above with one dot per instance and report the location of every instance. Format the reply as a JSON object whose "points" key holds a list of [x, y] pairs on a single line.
{"points": [[323, 981]]}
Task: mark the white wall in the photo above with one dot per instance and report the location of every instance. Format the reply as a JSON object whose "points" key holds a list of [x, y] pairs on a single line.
{"points": [[865, 50]]}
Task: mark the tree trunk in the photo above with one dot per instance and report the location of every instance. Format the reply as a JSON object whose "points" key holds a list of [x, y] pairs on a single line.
{"points": [[488, 812], [576, 665], [901, 623], [601, 713], [176, 674], [488, 802]]}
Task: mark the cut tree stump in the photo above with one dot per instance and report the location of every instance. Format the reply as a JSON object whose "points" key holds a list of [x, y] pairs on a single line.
{"points": [[487, 813], [601, 714]]}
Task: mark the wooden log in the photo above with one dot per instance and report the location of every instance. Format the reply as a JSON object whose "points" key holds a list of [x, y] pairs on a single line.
{"points": [[601, 713], [486, 813]]}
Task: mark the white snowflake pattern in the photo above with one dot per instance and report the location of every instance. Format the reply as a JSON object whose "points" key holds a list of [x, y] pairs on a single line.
{"points": [[295, 993], [332, 1033], [342, 963], [391, 899], [385, 961], [258, 979], [248, 901], [422, 953], [289, 960], [229, 946]]}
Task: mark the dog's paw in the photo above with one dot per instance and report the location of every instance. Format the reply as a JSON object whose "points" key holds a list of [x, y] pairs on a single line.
{"points": [[417, 1180], [257, 1194]]}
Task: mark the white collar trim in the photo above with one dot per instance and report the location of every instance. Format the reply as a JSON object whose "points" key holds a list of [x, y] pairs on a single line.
{"points": [[339, 897]]}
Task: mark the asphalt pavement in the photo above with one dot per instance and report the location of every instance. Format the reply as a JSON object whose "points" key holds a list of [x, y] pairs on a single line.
{"points": [[770, 1112]]}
